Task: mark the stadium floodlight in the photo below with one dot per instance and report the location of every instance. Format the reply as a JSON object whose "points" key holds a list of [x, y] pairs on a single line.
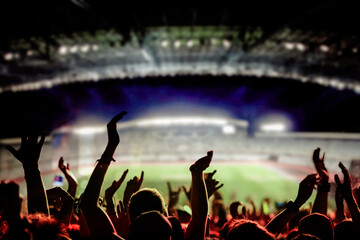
{"points": [[167, 121], [229, 129], [289, 45], [85, 48], [74, 49], [89, 130], [324, 48], [8, 56], [63, 50], [177, 44], [273, 127], [190, 43], [95, 47], [300, 46], [164, 43], [275, 123]]}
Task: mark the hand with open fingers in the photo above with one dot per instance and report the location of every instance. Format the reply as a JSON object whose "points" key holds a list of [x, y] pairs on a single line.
{"points": [[62, 166], [110, 191], [173, 196], [113, 135], [187, 192], [29, 151], [345, 188], [203, 163], [306, 188], [320, 165], [234, 209], [132, 186], [212, 185], [122, 225]]}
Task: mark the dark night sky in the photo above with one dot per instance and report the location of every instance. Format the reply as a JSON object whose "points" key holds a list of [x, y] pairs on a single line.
{"points": [[311, 107]]}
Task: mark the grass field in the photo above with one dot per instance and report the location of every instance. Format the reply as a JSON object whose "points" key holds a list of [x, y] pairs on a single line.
{"points": [[255, 180]]}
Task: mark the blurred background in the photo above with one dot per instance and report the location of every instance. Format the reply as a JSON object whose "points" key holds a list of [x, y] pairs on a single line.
{"points": [[261, 83]]}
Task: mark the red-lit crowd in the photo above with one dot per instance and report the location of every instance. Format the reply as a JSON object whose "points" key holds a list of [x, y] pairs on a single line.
{"points": [[143, 214]]}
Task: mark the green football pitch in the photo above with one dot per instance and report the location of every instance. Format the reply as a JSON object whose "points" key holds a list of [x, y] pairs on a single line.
{"points": [[241, 181]]}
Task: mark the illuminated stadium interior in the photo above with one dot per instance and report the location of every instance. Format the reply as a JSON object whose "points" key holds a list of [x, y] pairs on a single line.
{"points": [[261, 84]]}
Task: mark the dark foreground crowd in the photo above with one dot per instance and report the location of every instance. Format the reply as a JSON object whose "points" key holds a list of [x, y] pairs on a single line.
{"points": [[143, 214]]}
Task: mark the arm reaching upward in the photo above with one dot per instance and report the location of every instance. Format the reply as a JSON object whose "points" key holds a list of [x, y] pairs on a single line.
{"points": [[97, 220], [306, 187], [110, 207], [28, 154], [132, 186], [345, 189], [199, 199], [72, 181], [212, 185], [323, 188]]}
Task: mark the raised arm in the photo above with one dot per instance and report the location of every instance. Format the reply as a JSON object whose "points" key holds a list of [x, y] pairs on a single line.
{"points": [[173, 198], [70, 177], [132, 186], [212, 185], [323, 188], [97, 220], [110, 207], [199, 199], [305, 190], [339, 201], [345, 189], [28, 154]]}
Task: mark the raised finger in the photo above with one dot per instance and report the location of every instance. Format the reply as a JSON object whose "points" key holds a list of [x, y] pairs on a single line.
{"points": [[169, 187], [212, 174], [142, 177], [337, 180], [220, 186], [123, 176]]}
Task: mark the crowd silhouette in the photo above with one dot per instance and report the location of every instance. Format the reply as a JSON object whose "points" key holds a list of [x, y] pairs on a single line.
{"points": [[143, 213]]}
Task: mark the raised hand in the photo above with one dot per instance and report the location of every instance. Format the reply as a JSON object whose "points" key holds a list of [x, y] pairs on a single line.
{"points": [[199, 199], [113, 136], [62, 166], [132, 186], [339, 200], [28, 154], [323, 184], [203, 163], [306, 188], [345, 188], [123, 222], [70, 177], [234, 209], [110, 191], [29, 151], [173, 197], [212, 185], [187, 192], [320, 165]]}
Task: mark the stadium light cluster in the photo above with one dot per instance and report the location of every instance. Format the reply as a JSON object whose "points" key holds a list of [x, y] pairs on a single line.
{"points": [[181, 121], [273, 127]]}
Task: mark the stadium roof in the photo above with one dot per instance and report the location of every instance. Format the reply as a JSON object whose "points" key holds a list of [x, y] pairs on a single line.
{"points": [[47, 43], [49, 46]]}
